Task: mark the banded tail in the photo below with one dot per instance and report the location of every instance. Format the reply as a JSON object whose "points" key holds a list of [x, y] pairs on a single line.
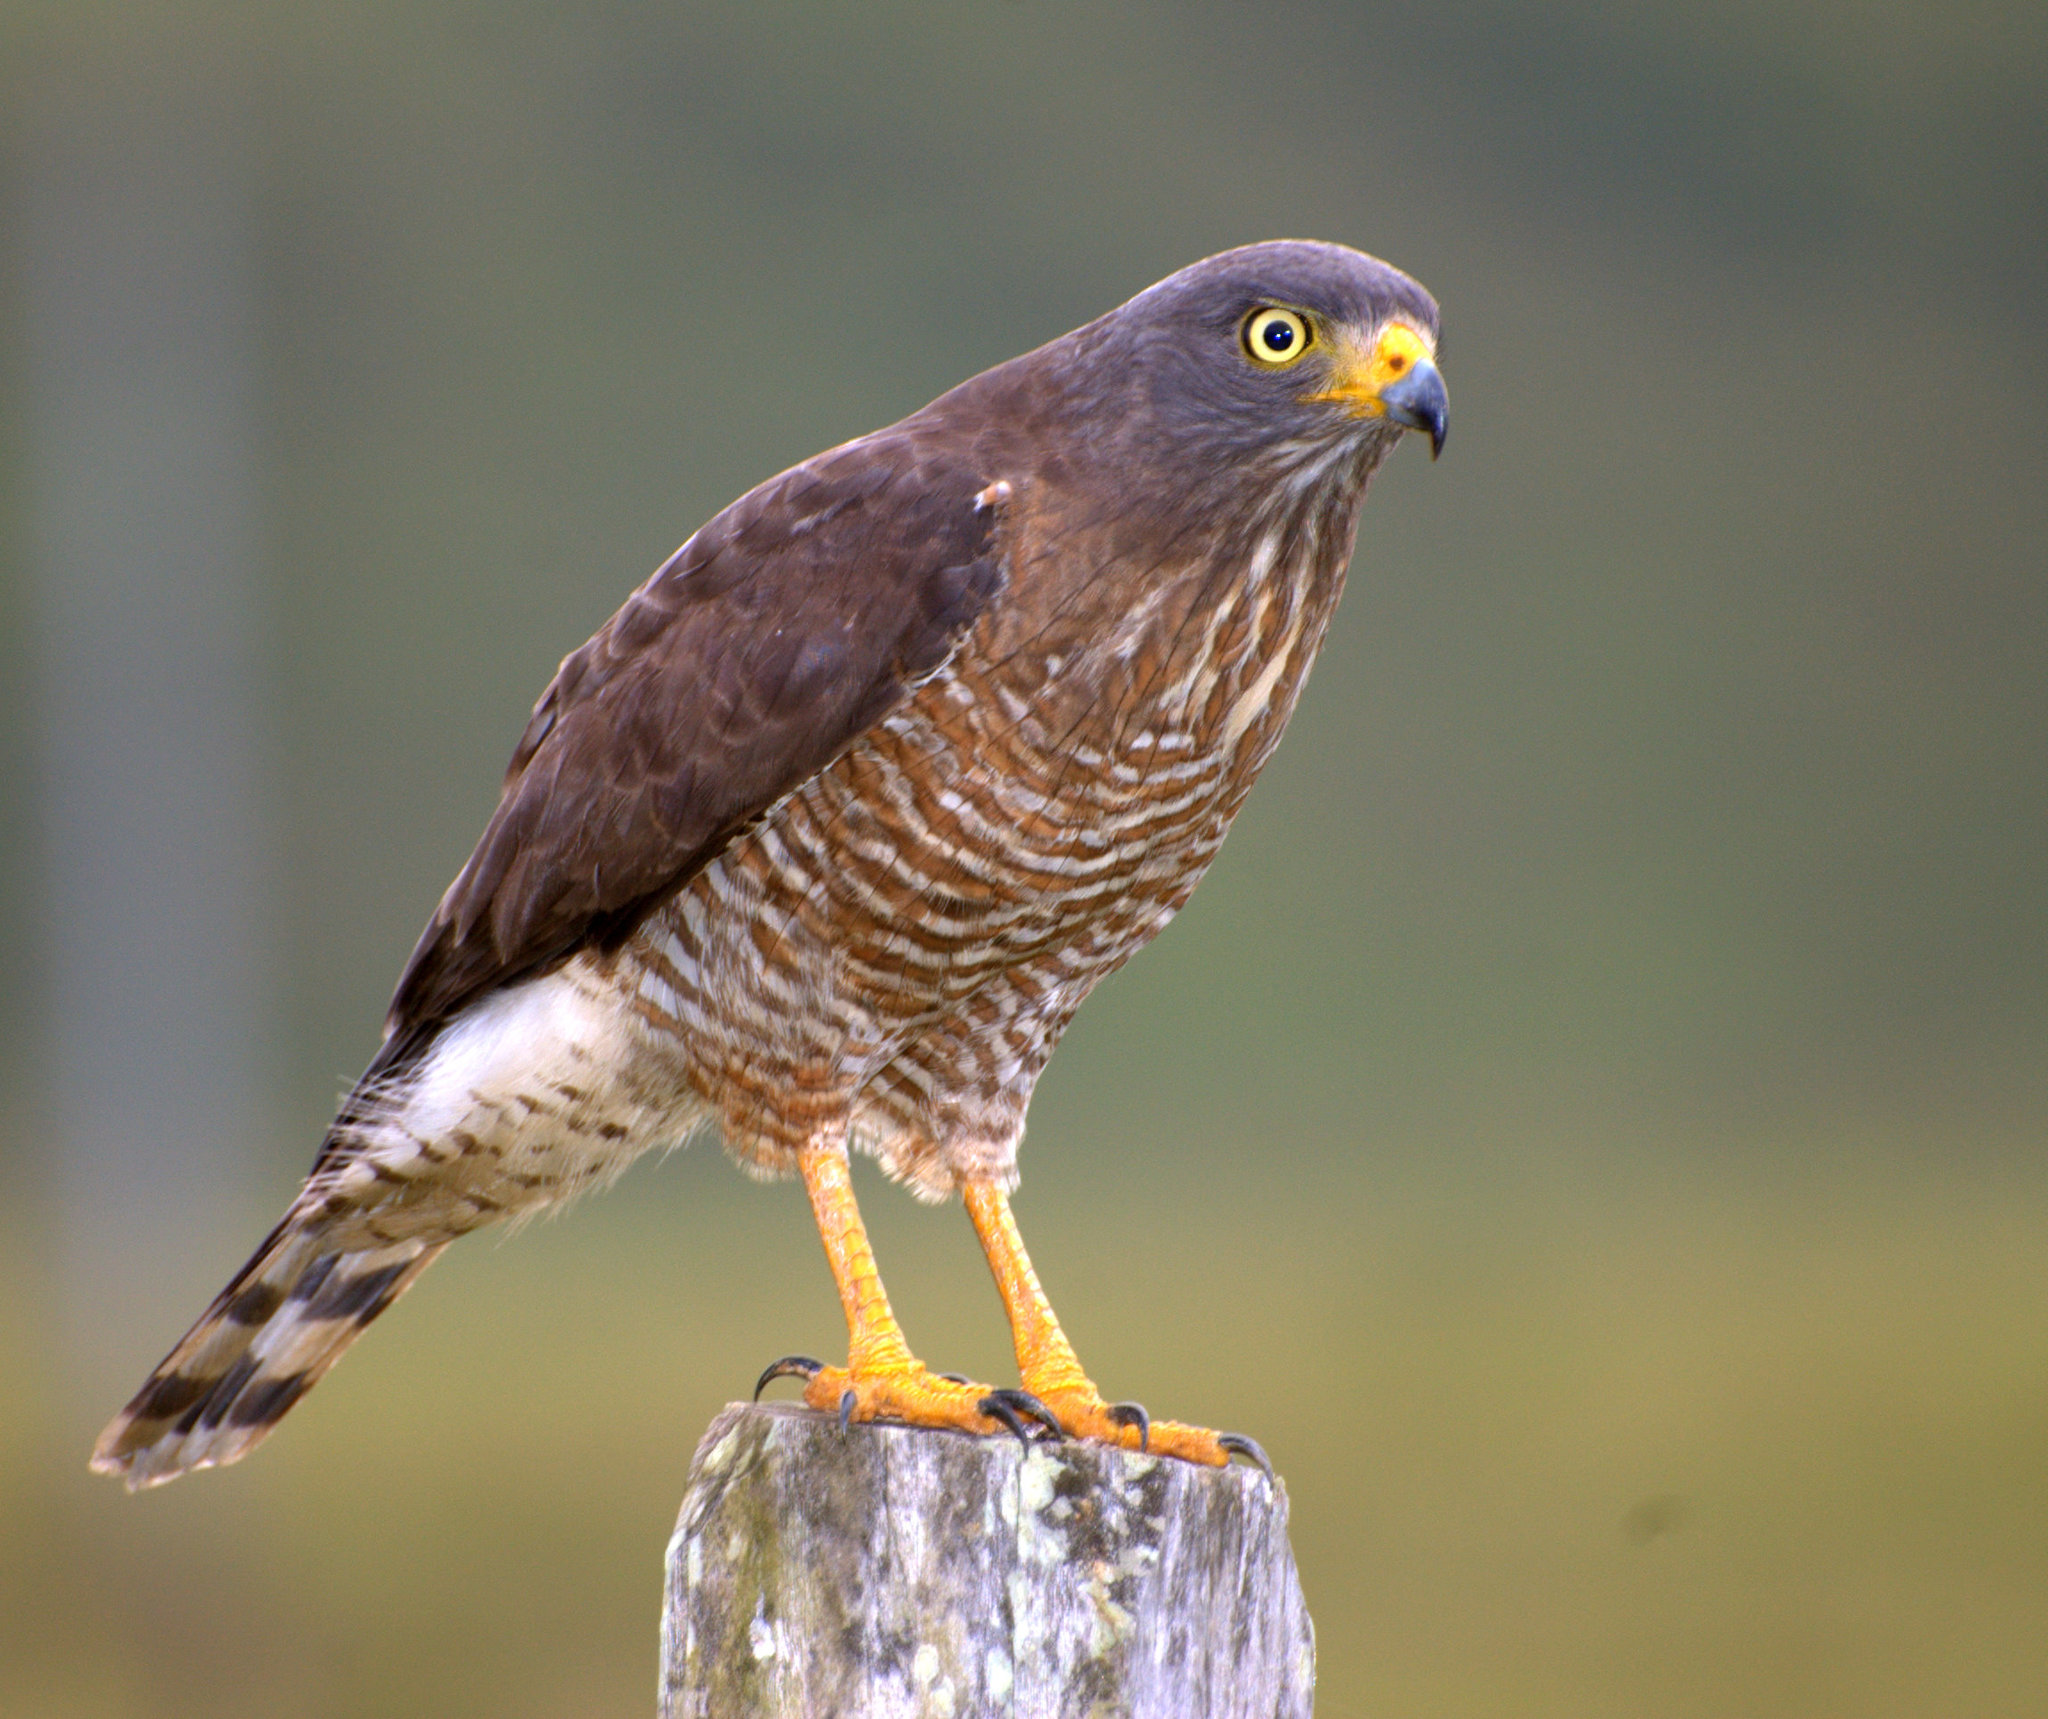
{"points": [[262, 1345], [529, 1097]]}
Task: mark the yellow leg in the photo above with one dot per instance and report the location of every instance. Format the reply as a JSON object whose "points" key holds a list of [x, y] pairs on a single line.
{"points": [[1046, 1360], [881, 1380], [875, 1341]]}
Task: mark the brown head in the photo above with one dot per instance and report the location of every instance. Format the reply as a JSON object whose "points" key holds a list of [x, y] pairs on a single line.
{"points": [[1242, 383]]}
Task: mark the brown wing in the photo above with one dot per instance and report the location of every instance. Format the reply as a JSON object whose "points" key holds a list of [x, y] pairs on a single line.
{"points": [[787, 627]]}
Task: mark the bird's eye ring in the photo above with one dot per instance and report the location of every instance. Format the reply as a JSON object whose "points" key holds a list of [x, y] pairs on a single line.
{"points": [[1274, 337]]}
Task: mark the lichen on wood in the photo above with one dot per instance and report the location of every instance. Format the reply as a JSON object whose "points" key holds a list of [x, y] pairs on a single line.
{"points": [[876, 1571]]}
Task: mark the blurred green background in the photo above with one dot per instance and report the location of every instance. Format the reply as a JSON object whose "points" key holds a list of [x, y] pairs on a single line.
{"points": [[1590, 1123]]}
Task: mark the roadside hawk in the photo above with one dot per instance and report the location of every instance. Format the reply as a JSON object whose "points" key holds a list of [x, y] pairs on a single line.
{"points": [[827, 833]]}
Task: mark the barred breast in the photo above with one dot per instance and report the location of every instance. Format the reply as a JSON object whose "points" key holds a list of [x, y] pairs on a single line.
{"points": [[898, 946]]}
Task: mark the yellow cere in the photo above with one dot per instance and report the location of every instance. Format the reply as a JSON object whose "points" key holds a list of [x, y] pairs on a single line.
{"points": [[1359, 373]]}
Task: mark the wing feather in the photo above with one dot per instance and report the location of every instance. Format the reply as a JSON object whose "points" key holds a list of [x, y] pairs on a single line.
{"points": [[765, 647]]}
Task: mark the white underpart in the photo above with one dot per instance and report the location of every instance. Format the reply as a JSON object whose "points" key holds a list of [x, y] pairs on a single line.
{"points": [[533, 1094], [505, 1042]]}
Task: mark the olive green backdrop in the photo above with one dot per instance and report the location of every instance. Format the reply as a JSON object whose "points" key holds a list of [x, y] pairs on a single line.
{"points": [[1590, 1123]]}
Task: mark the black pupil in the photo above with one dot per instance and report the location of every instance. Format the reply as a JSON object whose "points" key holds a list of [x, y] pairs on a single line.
{"points": [[1277, 335]]}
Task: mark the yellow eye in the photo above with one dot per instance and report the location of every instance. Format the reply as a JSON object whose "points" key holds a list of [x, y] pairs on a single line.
{"points": [[1275, 337]]}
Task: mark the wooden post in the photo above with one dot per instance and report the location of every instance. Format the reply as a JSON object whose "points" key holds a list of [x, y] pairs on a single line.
{"points": [[881, 1570]]}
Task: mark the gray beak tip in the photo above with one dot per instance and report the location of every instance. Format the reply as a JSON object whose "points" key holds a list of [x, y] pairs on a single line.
{"points": [[1419, 401]]}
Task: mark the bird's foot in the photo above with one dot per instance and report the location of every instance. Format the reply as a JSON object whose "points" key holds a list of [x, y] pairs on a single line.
{"points": [[910, 1393], [1083, 1414], [1046, 1359]]}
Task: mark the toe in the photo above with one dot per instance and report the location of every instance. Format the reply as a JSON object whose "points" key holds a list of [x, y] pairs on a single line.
{"points": [[1189, 1444], [911, 1396], [1084, 1415]]}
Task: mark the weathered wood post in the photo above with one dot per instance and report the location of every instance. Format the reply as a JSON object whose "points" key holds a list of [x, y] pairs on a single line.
{"points": [[875, 1570]]}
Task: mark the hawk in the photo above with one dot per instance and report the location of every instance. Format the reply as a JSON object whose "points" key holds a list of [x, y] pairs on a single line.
{"points": [[826, 834]]}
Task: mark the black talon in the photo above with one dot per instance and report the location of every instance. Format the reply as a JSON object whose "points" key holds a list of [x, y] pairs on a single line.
{"points": [[789, 1367], [1133, 1415], [1024, 1403], [1008, 1416], [953, 1378], [846, 1402], [998, 1410], [1238, 1445]]}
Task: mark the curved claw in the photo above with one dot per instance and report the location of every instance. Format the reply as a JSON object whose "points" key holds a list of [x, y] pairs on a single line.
{"points": [[1025, 1404], [789, 1367], [847, 1399], [954, 1378], [1238, 1445], [998, 1410], [1133, 1415]]}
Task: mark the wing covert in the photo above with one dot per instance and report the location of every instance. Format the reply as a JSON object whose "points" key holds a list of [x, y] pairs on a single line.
{"points": [[759, 652]]}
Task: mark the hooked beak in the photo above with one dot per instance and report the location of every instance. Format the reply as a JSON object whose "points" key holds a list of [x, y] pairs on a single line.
{"points": [[1418, 401], [1396, 378]]}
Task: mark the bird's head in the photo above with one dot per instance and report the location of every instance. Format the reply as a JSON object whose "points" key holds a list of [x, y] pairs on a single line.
{"points": [[1290, 355]]}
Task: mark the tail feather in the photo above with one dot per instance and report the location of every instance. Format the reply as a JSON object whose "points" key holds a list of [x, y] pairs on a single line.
{"points": [[531, 1094], [266, 1340]]}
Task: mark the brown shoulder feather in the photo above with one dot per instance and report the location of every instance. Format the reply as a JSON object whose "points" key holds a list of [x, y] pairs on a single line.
{"points": [[767, 645]]}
